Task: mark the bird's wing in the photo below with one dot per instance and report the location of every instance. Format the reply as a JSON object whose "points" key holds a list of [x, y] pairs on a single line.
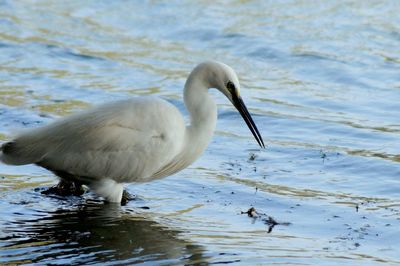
{"points": [[126, 141]]}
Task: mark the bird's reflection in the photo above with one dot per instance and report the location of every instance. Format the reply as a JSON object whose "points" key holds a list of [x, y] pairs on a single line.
{"points": [[94, 233]]}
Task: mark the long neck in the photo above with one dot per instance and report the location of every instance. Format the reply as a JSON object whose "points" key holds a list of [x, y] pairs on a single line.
{"points": [[203, 113]]}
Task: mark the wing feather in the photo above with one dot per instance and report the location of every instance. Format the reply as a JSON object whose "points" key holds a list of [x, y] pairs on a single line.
{"points": [[126, 141]]}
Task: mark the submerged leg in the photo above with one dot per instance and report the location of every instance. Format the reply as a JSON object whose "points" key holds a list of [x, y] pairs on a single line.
{"points": [[66, 188], [126, 197]]}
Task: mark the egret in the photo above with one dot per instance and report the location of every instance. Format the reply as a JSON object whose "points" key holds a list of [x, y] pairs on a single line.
{"points": [[130, 141]]}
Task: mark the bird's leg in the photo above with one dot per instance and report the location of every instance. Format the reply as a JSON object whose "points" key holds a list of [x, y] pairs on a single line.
{"points": [[126, 197], [66, 188]]}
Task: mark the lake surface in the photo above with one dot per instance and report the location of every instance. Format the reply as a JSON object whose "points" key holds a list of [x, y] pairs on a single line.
{"points": [[322, 81]]}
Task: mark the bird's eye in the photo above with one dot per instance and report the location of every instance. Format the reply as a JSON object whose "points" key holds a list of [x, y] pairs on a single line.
{"points": [[230, 86]]}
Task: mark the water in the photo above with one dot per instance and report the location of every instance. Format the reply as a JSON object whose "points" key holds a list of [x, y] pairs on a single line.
{"points": [[322, 80]]}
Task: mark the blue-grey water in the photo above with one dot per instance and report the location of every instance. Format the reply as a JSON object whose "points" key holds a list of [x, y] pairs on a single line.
{"points": [[322, 79]]}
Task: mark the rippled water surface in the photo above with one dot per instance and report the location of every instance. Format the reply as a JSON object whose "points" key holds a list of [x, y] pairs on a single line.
{"points": [[322, 80]]}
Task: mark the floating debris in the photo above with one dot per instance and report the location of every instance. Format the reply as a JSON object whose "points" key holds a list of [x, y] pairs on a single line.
{"points": [[266, 219], [252, 157], [251, 212]]}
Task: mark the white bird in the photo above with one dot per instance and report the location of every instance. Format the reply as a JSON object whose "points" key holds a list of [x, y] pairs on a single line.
{"points": [[135, 140]]}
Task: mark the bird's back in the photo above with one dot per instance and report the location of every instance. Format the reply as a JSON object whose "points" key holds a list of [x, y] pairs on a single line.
{"points": [[127, 141]]}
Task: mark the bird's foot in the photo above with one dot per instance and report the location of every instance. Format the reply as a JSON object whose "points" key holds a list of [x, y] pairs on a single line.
{"points": [[126, 197], [65, 188]]}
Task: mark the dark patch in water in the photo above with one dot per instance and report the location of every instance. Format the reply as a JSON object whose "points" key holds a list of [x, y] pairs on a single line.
{"points": [[4, 45], [266, 53], [316, 57], [67, 52], [235, 36], [225, 262]]}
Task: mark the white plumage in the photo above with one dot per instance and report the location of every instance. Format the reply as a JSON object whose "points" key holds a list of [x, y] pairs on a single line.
{"points": [[135, 140]]}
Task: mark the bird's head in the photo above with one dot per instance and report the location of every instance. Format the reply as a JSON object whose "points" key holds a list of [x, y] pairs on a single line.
{"points": [[224, 78]]}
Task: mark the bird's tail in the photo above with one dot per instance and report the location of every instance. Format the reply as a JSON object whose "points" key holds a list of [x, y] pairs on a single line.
{"points": [[16, 153], [9, 153]]}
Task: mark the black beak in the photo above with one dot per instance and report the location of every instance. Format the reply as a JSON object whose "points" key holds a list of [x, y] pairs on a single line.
{"points": [[241, 107]]}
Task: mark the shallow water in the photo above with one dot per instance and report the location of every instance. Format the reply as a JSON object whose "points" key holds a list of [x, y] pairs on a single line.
{"points": [[323, 84]]}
